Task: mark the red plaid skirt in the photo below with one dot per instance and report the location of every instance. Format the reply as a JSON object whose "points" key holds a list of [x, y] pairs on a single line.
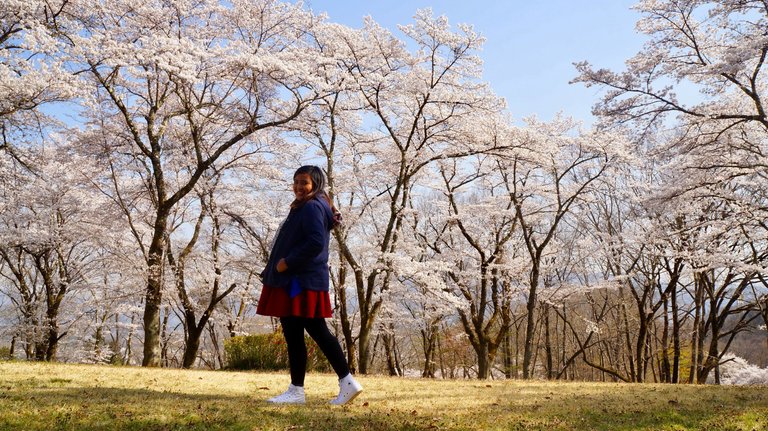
{"points": [[276, 302]]}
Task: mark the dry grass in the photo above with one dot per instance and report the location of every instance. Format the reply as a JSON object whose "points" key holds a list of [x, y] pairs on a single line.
{"points": [[41, 396]]}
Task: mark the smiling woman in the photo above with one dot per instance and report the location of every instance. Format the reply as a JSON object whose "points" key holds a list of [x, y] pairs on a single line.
{"points": [[296, 284]]}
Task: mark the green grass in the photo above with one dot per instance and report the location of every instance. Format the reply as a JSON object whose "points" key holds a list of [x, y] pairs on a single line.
{"points": [[43, 396]]}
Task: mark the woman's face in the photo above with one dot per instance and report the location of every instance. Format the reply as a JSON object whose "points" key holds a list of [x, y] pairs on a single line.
{"points": [[302, 186]]}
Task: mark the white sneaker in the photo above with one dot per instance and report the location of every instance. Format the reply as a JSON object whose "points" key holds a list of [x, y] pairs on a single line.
{"points": [[349, 388], [294, 395]]}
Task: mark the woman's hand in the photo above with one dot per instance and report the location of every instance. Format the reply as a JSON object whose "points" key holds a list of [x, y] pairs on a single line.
{"points": [[282, 266]]}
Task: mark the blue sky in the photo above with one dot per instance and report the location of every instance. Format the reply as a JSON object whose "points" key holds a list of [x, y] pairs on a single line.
{"points": [[531, 45]]}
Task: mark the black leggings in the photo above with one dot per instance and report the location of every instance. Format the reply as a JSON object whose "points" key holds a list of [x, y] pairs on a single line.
{"points": [[293, 330]]}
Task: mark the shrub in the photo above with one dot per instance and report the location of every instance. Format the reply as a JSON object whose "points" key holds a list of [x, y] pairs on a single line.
{"points": [[5, 353], [268, 352]]}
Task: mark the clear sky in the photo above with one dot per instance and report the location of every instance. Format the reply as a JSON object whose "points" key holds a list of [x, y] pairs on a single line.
{"points": [[531, 45]]}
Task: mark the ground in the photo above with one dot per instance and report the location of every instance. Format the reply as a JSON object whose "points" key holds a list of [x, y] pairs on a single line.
{"points": [[49, 396]]}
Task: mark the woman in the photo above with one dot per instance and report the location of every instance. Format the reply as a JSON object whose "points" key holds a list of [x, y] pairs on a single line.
{"points": [[295, 285]]}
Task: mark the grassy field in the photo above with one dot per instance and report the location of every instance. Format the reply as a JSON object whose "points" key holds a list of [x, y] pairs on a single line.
{"points": [[42, 396]]}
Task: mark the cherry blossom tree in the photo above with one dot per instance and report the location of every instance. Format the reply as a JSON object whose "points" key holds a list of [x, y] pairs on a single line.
{"points": [[151, 205], [485, 224], [717, 47], [47, 244], [175, 94], [32, 72], [336, 141], [695, 96], [420, 107], [425, 293], [546, 179]]}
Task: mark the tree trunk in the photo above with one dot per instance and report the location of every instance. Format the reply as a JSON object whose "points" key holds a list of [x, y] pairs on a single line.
{"points": [[665, 367], [216, 346], [154, 294], [565, 362], [530, 323], [548, 344], [506, 352], [129, 341], [164, 338], [640, 348], [517, 352], [40, 349], [152, 302], [764, 313], [98, 339], [192, 344], [483, 362], [697, 337], [343, 312], [429, 345], [675, 338], [627, 336], [152, 354], [364, 342], [53, 340], [713, 357], [389, 350], [440, 355]]}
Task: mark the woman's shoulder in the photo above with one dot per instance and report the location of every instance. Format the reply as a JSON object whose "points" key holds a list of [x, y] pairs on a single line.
{"points": [[317, 203], [315, 207]]}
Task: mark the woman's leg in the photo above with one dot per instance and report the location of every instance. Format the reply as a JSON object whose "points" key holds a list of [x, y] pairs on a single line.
{"points": [[328, 344], [349, 388], [293, 330]]}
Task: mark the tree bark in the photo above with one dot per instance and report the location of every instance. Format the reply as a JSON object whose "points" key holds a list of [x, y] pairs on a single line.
{"points": [[192, 345], [675, 338], [154, 293], [429, 346], [665, 367], [530, 322], [548, 344]]}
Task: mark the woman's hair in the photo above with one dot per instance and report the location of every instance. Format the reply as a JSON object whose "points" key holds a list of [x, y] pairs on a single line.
{"points": [[318, 189]]}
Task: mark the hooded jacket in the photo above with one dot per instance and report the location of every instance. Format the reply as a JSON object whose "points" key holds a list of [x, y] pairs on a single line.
{"points": [[303, 242]]}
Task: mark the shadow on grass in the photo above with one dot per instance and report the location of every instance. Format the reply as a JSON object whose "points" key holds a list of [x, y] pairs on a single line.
{"points": [[626, 407], [143, 409]]}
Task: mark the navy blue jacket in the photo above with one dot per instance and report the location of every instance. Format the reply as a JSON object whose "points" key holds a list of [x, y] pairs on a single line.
{"points": [[303, 243]]}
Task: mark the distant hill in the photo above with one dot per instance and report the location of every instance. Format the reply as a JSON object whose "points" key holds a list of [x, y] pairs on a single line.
{"points": [[751, 345]]}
